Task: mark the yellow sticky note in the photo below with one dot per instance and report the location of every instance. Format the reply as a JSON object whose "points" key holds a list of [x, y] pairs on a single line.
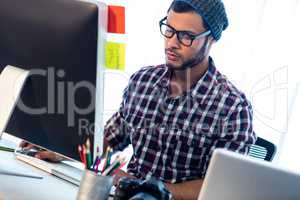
{"points": [[115, 56]]}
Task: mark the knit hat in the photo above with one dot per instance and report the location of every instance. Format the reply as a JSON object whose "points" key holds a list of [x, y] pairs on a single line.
{"points": [[213, 13]]}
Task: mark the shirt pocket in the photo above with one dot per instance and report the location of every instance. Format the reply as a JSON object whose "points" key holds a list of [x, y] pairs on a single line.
{"points": [[190, 149], [142, 132]]}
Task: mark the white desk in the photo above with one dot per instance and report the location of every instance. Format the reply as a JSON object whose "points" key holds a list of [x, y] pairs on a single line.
{"points": [[22, 188], [15, 188]]}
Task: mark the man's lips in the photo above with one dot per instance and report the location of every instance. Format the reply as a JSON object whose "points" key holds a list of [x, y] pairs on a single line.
{"points": [[172, 56]]}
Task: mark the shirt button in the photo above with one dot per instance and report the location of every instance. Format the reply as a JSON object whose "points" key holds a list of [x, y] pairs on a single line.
{"points": [[164, 82]]}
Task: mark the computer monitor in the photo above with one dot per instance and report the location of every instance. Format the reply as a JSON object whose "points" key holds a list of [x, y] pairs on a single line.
{"points": [[61, 43]]}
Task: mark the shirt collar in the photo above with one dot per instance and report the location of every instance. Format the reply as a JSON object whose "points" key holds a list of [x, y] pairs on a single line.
{"points": [[164, 80], [202, 87], [205, 83]]}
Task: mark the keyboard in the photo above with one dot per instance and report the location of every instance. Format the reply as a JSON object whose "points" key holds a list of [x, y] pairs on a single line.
{"points": [[61, 170], [41, 164], [68, 173]]}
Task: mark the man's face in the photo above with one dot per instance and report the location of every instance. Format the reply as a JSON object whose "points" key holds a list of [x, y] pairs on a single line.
{"points": [[177, 54]]}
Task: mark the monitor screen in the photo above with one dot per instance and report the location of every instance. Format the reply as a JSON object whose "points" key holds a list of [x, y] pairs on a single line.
{"points": [[57, 41]]}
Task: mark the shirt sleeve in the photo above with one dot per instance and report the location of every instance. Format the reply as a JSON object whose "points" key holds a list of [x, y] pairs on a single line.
{"points": [[236, 132], [115, 128]]}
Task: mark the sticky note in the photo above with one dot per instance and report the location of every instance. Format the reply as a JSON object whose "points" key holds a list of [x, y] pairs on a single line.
{"points": [[116, 19], [115, 56]]}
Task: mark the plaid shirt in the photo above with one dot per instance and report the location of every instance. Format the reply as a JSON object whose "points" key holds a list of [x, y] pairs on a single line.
{"points": [[173, 137]]}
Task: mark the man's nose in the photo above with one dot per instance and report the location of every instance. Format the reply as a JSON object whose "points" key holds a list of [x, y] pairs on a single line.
{"points": [[173, 42]]}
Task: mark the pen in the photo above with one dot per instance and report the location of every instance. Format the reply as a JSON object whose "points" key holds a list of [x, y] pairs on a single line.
{"points": [[19, 174], [88, 154], [114, 166], [107, 159], [97, 165], [109, 169], [80, 153], [96, 159], [118, 169], [6, 149], [84, 157]]}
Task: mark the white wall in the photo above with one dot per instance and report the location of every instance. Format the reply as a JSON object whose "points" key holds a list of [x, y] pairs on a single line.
{"points": [[144, 46]]}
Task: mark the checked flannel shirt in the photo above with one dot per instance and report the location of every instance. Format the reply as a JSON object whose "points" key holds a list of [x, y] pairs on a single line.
{"points": [[173, 137]]}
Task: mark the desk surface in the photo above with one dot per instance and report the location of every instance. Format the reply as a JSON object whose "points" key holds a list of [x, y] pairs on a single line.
{"points": [[15, 188]]}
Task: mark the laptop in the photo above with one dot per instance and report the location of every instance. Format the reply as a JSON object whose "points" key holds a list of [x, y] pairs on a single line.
{"points": [[12, 80], [237, 177]]}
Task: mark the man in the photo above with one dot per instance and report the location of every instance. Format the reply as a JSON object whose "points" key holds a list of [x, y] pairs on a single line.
{"points": [[176, 114]]}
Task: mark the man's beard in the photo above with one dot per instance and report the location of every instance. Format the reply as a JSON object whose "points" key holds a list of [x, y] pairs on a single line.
{"points": [[199, 57]]}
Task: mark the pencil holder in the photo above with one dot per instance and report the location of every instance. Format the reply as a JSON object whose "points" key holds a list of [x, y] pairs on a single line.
{"points": [[94, 186]]}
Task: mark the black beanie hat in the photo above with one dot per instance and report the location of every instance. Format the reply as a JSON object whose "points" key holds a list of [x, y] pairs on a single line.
{"points": [[213, 13]]}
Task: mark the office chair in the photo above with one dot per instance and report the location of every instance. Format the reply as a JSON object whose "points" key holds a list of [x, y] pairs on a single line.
{"points": [[262, 149]]}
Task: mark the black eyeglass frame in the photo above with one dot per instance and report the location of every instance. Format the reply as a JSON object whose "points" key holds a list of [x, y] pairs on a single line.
{"points": [[178, 33]]}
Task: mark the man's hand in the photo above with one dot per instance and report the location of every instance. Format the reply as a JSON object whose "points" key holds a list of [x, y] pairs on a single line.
{"points": [[119, 175], [42, 154], [187, 190]]}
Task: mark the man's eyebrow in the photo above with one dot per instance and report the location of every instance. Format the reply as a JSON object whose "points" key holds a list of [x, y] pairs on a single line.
{"points": [[191, 32], [186, 31]]}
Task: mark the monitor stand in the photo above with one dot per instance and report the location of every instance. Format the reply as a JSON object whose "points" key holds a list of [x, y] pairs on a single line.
{"points": [[12, 80]]}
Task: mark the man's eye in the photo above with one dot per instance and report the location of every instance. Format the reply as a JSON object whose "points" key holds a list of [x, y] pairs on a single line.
{"points": [[169, 31], [185, 36]]}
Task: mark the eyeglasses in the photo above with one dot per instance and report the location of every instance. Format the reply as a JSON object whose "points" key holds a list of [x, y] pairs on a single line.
{"points": [[184, 37]]}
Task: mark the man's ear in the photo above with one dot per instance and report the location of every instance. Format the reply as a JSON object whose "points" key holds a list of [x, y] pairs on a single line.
{"points": [[210, 42], [211, 39]]}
